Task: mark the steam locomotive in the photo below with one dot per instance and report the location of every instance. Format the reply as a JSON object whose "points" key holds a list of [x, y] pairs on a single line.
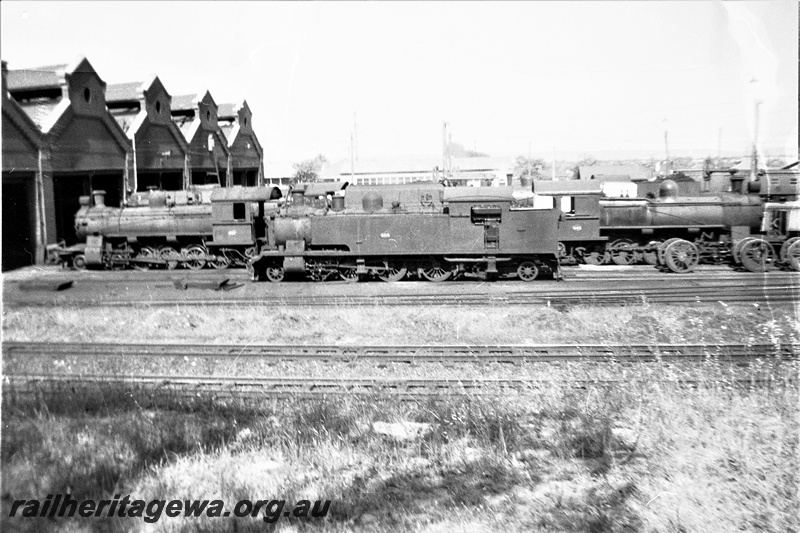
{"points": [[324, 231], [755, 230]]}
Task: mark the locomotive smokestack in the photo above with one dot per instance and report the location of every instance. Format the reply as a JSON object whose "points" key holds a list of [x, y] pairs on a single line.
{"points": [[99, 198]]}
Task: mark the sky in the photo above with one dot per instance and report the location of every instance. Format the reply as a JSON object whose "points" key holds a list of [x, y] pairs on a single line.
{"points": [[510, 78]]}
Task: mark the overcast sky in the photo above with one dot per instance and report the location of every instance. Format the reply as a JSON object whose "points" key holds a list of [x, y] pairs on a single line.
{"points": [[593, 77]]}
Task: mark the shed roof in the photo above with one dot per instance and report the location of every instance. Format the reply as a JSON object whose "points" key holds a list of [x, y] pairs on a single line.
{"points": [[123, 92], [184, 102], [35, 78], [227, 111], [613, 172]]}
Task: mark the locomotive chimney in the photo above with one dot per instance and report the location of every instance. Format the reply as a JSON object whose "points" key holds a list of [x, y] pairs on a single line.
{"points": [[337, 203], [99, 198]]}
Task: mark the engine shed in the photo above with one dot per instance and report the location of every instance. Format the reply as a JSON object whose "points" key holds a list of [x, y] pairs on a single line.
{"points": [[246, 156], [196, 116], [23, 214], [160, 151], [82, 149]]}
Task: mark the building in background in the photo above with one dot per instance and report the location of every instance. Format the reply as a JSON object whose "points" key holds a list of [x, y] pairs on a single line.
{"points": [[160, 151], [196, 116], [246, 156]]}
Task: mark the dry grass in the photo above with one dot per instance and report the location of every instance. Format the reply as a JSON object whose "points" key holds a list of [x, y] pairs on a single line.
{"points": [[644, 456], [400, 325]]}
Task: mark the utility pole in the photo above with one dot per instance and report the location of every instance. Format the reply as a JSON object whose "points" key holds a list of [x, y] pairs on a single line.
{"points": [[355, 133], [352, 158], [554, 162], [754, 169], [666, 149], [444, 151], [719, 145]]}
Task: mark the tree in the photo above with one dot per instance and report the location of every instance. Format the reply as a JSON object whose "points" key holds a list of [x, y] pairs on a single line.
{"points": [[528, 167], [308, 171]]}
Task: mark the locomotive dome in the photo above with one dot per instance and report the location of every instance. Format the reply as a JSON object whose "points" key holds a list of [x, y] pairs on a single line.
{"points": [[668, 190], [371, 202]]}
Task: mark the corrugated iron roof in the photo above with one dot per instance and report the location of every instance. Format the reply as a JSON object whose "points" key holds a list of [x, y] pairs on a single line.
{"points": [[227, 111], [123, 92], [478, 194], [183, 102], [35, 78], [617, 172]]}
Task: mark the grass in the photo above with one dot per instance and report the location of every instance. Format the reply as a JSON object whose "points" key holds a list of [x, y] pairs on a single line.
{"points": [[646, 455], [398, 325]]}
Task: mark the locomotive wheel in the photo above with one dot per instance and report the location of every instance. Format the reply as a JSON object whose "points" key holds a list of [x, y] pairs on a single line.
{"points": [[219, 261], [622, 252], [650, 253], [662, 248], [348, 274], [757, 255], [562, 251], [784, 253], [392, 273], [527, 271], [682, 256], [275, 274], [793, 255], [195, 257], [168, 254], [595, 256], [436, 273], [145, 253], [79, 262], [737, 249]]}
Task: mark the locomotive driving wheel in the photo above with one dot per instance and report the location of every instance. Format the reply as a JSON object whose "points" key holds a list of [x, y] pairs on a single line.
{"points": [[391, 272], [145, 253], [681, 256], [793, 255], [595, 255], [195, 257], [622, 252], [436, 272], [527, 271], [737, 249], [757, 255], [348, 274], [168, 254], [219, 261], [784, 253], [662, 249]]}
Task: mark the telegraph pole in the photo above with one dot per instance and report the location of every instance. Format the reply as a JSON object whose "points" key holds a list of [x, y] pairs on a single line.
{"points": [[444, 151], [666, 149]]}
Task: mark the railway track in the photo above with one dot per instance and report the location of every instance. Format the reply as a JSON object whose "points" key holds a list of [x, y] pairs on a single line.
{"points": [[541, 353], [31, 386], [731, 293]]}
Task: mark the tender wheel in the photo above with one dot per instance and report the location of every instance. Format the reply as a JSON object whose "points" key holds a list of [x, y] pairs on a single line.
{"points": [[595, 256], [145, 253], [793, 255], [622, 252], [757, 255], [682, 256], [275, 274], [392, 273], [169, 255], [527, 271], [79, 262], [219, 261], [348, 273], [784, 253], [436, 273]]}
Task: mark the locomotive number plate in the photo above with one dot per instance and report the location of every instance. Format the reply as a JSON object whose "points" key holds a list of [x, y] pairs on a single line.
{"points": [[385, 235], [577, 227], [231, 232]]}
